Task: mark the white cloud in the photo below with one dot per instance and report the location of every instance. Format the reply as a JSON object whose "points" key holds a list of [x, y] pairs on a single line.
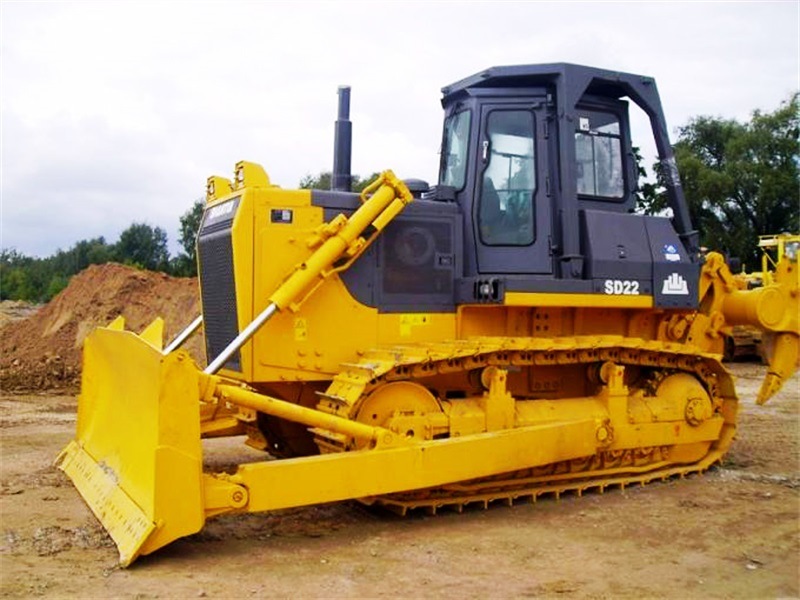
{"points": [[114, 112]]}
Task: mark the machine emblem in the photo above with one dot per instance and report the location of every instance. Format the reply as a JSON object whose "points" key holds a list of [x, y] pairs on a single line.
{"points": [[675, 285], [670, 252]]}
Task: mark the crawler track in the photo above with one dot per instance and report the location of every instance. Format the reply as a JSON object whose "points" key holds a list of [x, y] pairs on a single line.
{"points": [[605, 469]]}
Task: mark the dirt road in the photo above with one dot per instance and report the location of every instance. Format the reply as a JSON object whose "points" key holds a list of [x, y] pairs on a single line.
{"points": [[732, 533]]}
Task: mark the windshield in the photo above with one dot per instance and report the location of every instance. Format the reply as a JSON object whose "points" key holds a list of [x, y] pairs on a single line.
{"points": [[454, 150]]}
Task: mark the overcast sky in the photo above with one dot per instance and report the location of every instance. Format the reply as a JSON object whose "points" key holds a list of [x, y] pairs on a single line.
{"points": [[115, 112]]}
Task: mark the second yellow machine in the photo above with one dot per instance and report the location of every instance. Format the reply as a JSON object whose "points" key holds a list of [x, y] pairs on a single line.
{"points": [[514, 330]]}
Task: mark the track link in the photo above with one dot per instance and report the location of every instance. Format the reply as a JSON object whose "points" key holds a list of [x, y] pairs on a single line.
{"points": [[520, 489]]}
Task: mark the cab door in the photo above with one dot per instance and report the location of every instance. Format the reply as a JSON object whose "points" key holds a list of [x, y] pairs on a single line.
{"points": [[510, 208]]}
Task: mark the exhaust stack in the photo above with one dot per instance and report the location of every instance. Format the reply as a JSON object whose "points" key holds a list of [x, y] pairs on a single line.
{"points": [[341, 180]]}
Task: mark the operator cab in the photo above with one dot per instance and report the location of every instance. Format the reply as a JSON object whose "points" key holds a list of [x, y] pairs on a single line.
{"points": [[498, 158], [539, 159]]}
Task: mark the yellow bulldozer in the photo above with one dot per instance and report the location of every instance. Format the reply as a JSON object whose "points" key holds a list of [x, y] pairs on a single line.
{"points": [[746, 340], [514, 330]]}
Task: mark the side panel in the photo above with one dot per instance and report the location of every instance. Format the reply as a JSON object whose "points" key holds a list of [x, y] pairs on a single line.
{"points": [[413, 265], [675, 277], [638, 255], [308, 344], [617, 253]]}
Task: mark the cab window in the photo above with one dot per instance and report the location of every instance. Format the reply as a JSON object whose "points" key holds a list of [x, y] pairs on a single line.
{"points": [[505, 213], [454, 149], [598, 149]]}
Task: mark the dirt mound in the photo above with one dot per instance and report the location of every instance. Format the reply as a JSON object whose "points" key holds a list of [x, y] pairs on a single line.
{"points": [[44, 350], [16, 310]]}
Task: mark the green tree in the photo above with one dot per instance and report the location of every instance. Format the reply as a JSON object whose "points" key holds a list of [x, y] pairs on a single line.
{"points": [[14, 281], [23, 277], [57, 283], [648, 193], [39, 279], [143, 246], [322, 181], [81, 255], [190, 225], [185, 264], [741, 180]]}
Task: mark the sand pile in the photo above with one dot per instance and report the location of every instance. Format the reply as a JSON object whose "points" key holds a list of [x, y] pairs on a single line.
{"points": [[44, 350]]}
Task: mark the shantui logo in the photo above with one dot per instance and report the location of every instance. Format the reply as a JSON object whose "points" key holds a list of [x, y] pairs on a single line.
{"points": [[675, 285], [220, 210]]}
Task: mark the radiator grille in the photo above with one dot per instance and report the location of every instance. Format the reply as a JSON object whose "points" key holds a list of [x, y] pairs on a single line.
{"points": [[217, 285]]}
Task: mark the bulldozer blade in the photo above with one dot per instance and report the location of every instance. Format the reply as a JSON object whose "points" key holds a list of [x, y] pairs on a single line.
{"points": [[154, 333], [137, 456]]}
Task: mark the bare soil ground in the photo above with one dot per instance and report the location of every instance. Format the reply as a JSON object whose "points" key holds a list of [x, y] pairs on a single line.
{"points": [[41, 349], [731, 533], [16, 310]]}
